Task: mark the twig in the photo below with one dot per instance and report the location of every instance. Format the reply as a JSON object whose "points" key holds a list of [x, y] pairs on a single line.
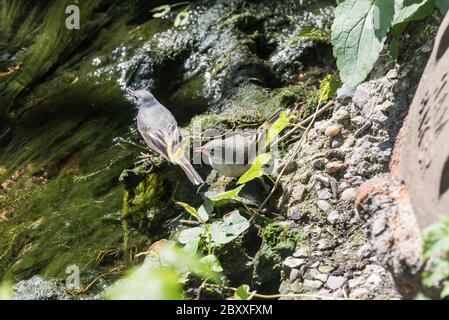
{"points": [[273, 296], [297, 147]]}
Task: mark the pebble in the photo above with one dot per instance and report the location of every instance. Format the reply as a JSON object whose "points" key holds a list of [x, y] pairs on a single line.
{"points": [[348, 194], [292, 262], [323, 205], [333, 216], [312, 284], [294, 213], [316, 275], [356, 282], [325, 269], [324, 194], [359, 293], [335, 167], [319, 163], [299, 192], [335, 282], [336, 143], [332, 131], [364, 251]]}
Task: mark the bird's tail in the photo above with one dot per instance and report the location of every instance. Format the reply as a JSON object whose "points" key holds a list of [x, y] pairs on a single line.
{"points": [[190, 172]]}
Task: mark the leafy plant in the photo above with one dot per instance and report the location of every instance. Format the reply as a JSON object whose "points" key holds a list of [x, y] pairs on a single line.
{"points": [[328, 87], [215, 234], [361, 28], [443, 5], [436, 248], [243, 293], [257, 168], [163, 274]]}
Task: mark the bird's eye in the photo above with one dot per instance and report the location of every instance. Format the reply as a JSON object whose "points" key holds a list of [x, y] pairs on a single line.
{"points": [[212, 152]]}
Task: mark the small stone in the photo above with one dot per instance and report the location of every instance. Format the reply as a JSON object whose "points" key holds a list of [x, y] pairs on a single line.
{"points": [[356, 282], [324, 244], [348, 194], [364, 251], [301, 253], [294, 213], [325, 269], [333, 216], [299, 192], [336, 143], [359, 293], [335, 167], [335, 282], [292, 262], [323, 205], [312, 284], [294, 274], [374, 280], [319, 163], [324, 194], [316, 275], [332, 131]]}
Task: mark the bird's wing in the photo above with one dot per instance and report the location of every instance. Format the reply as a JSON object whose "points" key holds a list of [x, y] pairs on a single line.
{"points": [[159, 142]]}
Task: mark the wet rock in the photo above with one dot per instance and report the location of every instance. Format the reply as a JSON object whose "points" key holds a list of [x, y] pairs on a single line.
{"points": [[37, 288]]}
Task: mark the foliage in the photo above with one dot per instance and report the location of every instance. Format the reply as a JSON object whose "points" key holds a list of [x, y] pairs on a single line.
{"points": [[278, 126], [257, 168], [443, 5], [216, 234], [436, 248], [360, 30], [163, 274], [243, 293], [328, 87], [6, 292]]}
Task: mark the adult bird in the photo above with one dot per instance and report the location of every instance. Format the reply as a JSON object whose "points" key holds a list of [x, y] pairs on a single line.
{"points": [[159, 129]]}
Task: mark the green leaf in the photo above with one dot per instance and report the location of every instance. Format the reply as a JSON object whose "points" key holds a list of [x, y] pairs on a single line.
{"points": [[443, 5], [212, 262], [406, 11], [256, 170], [394, 48], [191, 236], [206, 208], [445, 292], [147, 284], [329, 87], [231, 194], [182, 19], [359, 32], [243, 293], [200, 217], [6, 292], [161, 11], [231, 227], [278, 126]]}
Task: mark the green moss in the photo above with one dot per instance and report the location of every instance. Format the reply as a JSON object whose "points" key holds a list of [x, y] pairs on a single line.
{"points": [[278, 241]]}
